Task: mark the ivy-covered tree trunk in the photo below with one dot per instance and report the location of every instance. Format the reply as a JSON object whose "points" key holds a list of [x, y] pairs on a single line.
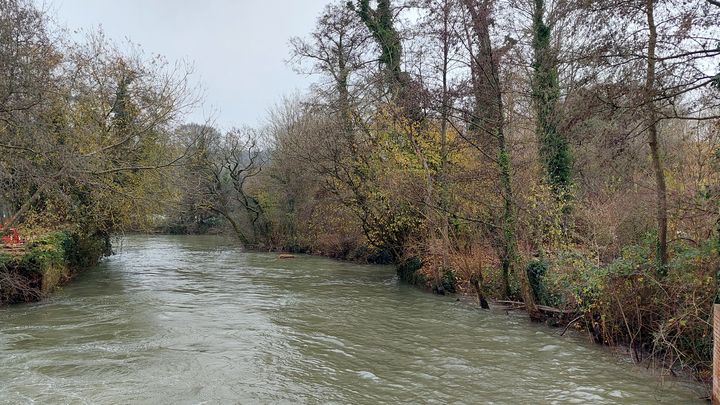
{"points": [[509, 240], [380, 23], [489, 121], [553, 147]]}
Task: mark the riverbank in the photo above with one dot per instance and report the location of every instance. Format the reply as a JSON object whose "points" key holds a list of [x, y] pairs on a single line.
{"points": [[656, 320], [661, 316], [33, 270]]}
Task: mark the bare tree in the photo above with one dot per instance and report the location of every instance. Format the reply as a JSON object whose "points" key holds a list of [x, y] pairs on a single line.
{"points": [[233, 160], [674, 52]]}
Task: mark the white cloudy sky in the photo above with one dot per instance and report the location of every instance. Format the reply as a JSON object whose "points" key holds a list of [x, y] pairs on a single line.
{"points": [[238, 46]]}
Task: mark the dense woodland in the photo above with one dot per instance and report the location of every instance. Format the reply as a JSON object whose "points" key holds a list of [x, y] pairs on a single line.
{"points": [[564, 154]]}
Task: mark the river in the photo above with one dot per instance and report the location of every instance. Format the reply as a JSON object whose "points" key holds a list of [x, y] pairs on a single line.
{"points": [[190, 320]]}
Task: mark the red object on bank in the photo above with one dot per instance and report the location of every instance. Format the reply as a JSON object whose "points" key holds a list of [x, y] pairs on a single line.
{"points": [[13, 238]]}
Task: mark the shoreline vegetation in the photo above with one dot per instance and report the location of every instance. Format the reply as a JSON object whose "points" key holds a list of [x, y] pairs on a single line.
{"points": [[563, 157], [32, 271]]}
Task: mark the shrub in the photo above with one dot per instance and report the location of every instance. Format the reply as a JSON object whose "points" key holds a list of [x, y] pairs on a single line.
{"points": [[45, 253], [536, 270], [408, 271], [47, 262], [627, 302]]}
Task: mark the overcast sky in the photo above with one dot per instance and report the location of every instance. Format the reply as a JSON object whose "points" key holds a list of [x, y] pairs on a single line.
{"points": [[238, 46]]}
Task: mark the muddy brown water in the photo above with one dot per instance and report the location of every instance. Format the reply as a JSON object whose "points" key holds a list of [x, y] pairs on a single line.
{"points": [[196, 320]]}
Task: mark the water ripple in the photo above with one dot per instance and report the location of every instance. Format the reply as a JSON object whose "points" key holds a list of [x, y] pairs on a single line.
{"points": [[174, 320]]}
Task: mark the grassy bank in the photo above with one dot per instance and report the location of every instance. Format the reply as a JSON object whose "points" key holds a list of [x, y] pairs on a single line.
{"points": [[33, 271]]}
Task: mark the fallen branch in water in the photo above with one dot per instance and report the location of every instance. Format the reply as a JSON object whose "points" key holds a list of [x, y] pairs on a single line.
{"points": [[543, 308], [570, 323]]}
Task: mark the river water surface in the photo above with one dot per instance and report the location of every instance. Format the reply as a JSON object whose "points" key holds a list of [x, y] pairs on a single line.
{"points": [[186, 320]]}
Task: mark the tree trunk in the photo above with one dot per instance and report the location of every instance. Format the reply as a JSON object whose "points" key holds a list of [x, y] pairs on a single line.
{"points": [[243, 239], [478, 284], [380, 23], [653, 142], [553, 147], [343, 91], [488, 103], [508, 218], [444, 113]]}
